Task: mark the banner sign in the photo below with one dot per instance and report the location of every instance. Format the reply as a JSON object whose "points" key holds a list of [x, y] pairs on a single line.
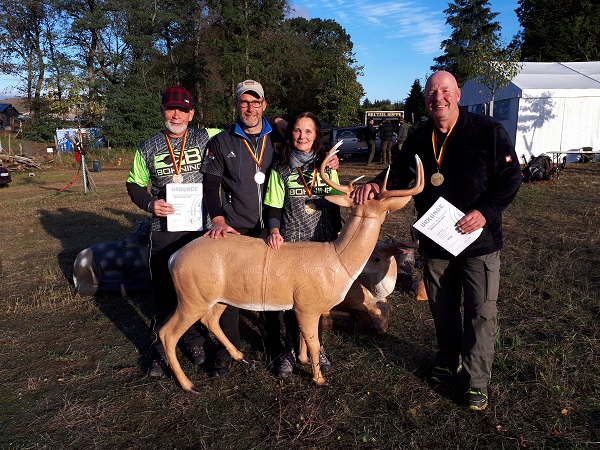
{"points": [[66, 136]]}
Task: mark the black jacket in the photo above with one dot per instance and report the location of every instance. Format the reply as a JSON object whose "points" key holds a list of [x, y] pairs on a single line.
{"points": [[481, 171], [229, 165], [386, 131], [370, 133]]}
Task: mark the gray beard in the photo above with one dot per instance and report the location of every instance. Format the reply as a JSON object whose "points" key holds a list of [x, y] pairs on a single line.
{"points": [[250, 124], [174, 130]]}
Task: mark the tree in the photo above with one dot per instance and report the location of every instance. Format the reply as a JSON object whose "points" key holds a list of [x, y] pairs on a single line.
{"points": [[556, 30], [22, 44], [414, 105], [473, 26], [243, 36], [494, 68], [132, 113], [112, 59], [328, 84]]}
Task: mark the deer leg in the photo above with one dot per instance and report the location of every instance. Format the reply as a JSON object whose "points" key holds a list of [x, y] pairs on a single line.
{"points": [[211, 321], [302, 350], [169, 335], [309, 329]]}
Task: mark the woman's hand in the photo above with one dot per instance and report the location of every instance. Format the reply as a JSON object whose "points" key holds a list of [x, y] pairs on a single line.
{"points": [[334, 163], [275, 239]]}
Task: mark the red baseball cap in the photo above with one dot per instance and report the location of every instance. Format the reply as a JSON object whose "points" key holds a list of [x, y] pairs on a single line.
{"points": [[177, 96]]}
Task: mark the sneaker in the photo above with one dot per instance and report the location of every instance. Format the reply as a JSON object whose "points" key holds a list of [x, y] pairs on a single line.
{"points": [[477, 398], [155, 370], [443, 375], [287, 364], [197, 354], [220, 368], [324, 361]]}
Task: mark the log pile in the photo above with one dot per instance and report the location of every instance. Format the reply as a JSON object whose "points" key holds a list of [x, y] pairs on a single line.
{"points": [[19, 162]]}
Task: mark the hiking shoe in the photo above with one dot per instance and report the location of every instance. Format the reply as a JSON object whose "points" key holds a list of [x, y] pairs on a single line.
{"points": [[324, 361], [287, 364], [477, 398], [155, 370], [442, 374], [197, 354], [220, 368]]}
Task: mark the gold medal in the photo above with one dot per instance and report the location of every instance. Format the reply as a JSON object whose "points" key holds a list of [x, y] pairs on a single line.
{"points": [[178, 178], [310, 208], [259, 177], [437, 179]]}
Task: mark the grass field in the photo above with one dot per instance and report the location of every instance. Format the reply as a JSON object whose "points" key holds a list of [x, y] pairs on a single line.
{"points": [[72, 367]]}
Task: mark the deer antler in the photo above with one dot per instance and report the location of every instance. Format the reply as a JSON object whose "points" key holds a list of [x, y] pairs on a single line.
{"points": [[345, 189], [416, 189]]}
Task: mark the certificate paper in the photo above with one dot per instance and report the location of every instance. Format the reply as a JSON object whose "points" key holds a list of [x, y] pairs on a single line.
{"points": [[187, 201], [439, 224]]}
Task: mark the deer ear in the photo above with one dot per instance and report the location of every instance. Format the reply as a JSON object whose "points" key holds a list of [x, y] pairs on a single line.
{"points": [[340, 200]]}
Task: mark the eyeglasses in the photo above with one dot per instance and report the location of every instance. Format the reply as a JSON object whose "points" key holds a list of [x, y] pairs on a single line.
{"points": [[253, 103]]}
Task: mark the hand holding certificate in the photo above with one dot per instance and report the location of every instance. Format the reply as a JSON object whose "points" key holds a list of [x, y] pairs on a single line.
{"points": [[187, 201], [439, 224]]}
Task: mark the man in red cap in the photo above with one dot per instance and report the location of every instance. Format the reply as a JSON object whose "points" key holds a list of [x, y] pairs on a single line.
{"points": [[171, 156]]}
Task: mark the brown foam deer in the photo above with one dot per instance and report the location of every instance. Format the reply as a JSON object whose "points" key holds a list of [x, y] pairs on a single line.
{"points": [[308, 277]]}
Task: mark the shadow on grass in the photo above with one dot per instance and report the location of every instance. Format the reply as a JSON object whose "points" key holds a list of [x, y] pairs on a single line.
{"points": [[77, 230]]}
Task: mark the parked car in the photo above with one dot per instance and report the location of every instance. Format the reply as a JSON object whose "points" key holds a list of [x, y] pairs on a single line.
{"points": [[5, 177], [354, 142]]}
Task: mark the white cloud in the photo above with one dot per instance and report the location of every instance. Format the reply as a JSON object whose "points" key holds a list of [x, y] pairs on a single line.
{"points": [[422, 27]]}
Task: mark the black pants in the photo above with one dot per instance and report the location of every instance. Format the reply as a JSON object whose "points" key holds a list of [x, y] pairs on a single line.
{"points": [[292, 331], [162, 245], [270, 322]]}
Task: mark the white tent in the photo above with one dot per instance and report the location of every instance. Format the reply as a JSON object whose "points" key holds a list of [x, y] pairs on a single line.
{"points": [[547, 107]]}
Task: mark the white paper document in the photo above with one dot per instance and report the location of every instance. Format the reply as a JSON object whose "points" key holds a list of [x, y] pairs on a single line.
{"points": [[439, 225], [187, 201]]}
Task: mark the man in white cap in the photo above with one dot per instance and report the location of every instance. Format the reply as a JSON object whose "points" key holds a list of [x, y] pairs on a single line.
{"points": [[238, 161]]}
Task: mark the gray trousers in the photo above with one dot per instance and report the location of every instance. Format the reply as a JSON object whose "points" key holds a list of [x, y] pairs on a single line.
{"points": [[469, 337], [371, 145]]}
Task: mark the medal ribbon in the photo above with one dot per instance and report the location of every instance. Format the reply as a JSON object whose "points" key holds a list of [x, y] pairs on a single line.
{"points": [[177, 166], [438, 158], [314, 179], [262, 151]]}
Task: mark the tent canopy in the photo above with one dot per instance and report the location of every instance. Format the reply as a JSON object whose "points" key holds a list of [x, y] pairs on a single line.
{"points": [[546, 107]]}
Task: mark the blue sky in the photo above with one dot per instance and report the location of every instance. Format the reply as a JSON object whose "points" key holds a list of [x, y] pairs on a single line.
{"points": [[396, 41]]}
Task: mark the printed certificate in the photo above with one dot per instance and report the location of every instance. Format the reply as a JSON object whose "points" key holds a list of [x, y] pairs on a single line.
{"points": [[187, 201], [439, 224]]}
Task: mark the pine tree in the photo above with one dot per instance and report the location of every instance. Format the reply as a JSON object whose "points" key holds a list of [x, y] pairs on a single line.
{"points": [[472, 25], [557, 30], [414, 105]]}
